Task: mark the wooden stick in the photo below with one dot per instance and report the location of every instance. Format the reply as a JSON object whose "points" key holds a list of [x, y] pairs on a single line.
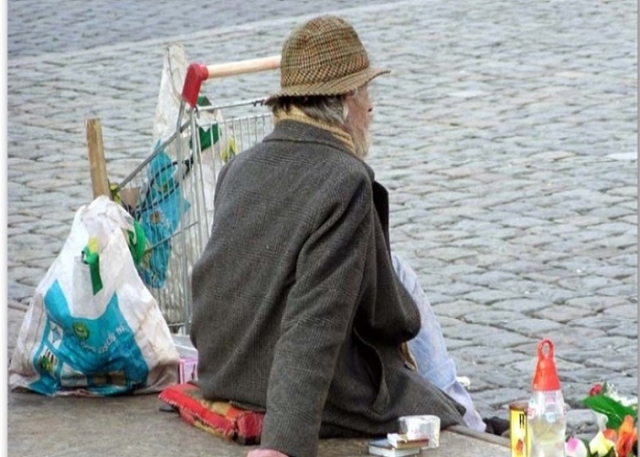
{"points": [[97, 162], [244, 66]]}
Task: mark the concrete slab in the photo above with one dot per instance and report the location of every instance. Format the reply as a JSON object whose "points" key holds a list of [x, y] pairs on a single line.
{"points": [[133, 426]]}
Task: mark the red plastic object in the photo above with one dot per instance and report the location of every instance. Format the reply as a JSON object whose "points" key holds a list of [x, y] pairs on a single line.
{"points": [[196, 74], [546, 376]]}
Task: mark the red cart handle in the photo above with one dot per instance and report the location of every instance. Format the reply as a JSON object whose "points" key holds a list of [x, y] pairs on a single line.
{"points": [[197, 73]]}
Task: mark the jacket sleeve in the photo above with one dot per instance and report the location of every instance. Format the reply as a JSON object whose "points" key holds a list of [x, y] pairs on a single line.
{"points": [[319, 311]]}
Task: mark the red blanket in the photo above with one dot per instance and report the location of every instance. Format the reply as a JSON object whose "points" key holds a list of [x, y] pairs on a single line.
{"points": [[220, 418]]}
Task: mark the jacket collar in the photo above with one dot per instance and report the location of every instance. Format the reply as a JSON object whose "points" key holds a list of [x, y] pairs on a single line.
{"points": [[293, 130], [296, 114]]}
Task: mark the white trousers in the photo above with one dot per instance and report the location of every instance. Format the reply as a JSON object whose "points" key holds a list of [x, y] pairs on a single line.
{"points": [[430, 350]]}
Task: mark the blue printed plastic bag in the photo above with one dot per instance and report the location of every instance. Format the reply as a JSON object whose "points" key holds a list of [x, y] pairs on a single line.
{"points": [[160, 210], [93, 328]]}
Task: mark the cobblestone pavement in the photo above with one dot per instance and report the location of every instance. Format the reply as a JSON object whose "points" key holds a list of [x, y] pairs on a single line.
{"points": [[79, 26], [506, 133]]}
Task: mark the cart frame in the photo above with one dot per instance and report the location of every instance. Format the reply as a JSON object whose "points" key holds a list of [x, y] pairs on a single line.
{"points": [[183, 179]]}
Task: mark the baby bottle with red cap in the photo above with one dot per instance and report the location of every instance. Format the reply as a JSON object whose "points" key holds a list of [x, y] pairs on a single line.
{"points": [[546, 412]]}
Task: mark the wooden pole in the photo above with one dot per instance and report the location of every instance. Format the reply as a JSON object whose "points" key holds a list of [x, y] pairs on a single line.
{"points": [[97, 162], [223, 70]]}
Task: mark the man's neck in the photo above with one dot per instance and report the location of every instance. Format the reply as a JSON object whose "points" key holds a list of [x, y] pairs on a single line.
{"points": [[296, 114]]}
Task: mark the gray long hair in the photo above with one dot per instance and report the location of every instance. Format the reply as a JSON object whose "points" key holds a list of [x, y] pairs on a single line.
{"points": [[331, 109]]}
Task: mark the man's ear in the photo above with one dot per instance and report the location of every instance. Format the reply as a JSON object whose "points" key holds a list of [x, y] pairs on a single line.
{"points": [[350, 97]]}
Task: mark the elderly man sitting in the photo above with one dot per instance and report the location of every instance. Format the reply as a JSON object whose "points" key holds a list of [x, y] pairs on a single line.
{"points": [[300, 310]]}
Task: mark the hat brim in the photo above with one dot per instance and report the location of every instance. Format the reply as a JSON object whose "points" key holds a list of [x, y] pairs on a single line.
{"points": [[336, 87]]}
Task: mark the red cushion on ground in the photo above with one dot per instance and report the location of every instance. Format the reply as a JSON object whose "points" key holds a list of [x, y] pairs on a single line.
{"points": [[220, 418]]}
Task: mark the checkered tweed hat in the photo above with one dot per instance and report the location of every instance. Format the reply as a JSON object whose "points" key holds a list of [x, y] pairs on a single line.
{"points": [[323, 57]]}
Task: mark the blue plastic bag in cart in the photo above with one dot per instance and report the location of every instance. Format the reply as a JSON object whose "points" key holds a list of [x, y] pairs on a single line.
{"points": [[159, 213]]}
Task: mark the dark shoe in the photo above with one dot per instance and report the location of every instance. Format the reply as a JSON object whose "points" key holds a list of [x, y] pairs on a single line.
{"points": [[497, 426]]}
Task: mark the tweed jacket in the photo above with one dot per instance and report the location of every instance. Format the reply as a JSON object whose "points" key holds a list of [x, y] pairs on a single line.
{"points": [[297, 310]]}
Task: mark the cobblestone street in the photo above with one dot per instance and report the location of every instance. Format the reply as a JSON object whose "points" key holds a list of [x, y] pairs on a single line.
{"points": [[506, 134]]}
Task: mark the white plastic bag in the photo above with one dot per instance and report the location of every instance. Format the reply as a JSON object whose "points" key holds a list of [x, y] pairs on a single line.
{"points": [[210, 162], [93, 328], [174, 70]]}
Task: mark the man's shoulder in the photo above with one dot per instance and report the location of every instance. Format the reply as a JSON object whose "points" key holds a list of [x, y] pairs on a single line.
{"points": [[314, 145]]}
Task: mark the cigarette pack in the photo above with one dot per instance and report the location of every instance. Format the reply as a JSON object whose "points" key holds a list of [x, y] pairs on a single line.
{"points": [[384, 448], [404, 441], [420, 427]]}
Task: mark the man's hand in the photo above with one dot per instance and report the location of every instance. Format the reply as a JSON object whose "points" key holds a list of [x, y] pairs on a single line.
{"points": [[266, 453]]}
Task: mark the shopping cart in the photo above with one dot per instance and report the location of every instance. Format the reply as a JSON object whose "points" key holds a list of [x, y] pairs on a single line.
{"points": [[170, 194]]}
